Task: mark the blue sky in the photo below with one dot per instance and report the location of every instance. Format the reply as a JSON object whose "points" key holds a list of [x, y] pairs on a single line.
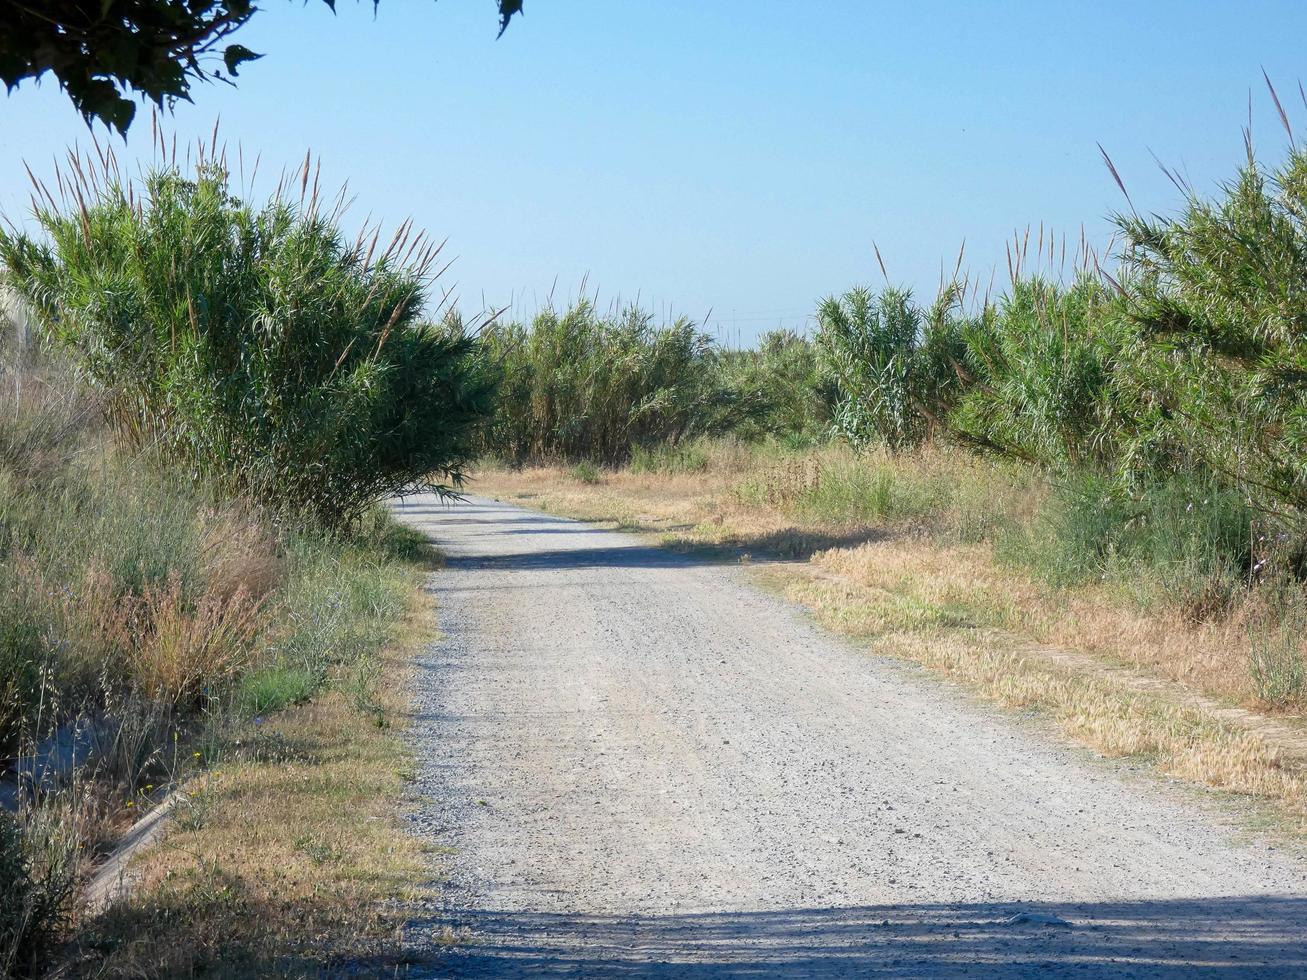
{"points": [[738, 157]]}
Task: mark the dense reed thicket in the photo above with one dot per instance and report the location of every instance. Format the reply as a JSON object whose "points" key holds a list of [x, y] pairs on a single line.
{"points": [[1171, 385], [579, 385], [1216, 298], [1186, 359], [253, 346], [790, 395], [892, 364]]}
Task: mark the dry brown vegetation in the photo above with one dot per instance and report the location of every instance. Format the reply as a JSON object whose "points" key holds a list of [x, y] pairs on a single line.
{"points": [[913, 555], [286, 858]]}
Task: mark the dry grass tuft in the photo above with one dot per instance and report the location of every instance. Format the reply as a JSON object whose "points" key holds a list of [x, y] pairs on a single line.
{"points": [[241, 554], [180, 651]]}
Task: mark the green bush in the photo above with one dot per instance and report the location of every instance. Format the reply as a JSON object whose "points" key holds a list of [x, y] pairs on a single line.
{"points": [[580, 386], [275, 686], [1218, 296], [1040, 369], [669, 460], [891, 364], [339, 603], [587, 473], [1186, 540], [782, 378], [254, 347]]}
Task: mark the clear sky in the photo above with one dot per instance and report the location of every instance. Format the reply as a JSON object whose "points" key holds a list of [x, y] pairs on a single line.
{"points": [[734, 156]]}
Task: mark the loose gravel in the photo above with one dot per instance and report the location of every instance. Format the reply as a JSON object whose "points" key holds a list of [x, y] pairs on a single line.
{"points": [[644, 766]]}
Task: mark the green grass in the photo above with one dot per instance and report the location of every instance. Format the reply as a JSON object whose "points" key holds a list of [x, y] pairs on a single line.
{"points": [[1185, 541], [670, 459], [276, 686], [963, 499], [587, 473], [866, 492], [340, 604]]}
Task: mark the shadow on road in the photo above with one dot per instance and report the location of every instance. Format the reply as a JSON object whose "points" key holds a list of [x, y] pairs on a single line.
{"points": [[1246, 937], [498, 525]]}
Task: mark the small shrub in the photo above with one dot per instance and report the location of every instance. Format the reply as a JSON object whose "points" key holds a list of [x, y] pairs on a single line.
{"points": [[45, 418], [176, 652], [275, 686], [1277, 630], [1276, 664], [1185, 541], [586, 473], [136, 753], [670, 460], [359, 685], [339, 605], [851, 492], [783, 483], [39, 860], [24, 659]]}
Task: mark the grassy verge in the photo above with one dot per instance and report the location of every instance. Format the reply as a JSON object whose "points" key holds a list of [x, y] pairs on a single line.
{"points": [[980, 571], [284, 857], [193, 640]]}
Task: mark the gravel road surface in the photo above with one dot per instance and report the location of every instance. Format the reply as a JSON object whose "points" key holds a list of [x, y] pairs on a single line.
{"points": [[645, 767]]}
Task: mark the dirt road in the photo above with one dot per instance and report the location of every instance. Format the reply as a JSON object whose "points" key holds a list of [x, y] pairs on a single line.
{"points": [[646, 767]]}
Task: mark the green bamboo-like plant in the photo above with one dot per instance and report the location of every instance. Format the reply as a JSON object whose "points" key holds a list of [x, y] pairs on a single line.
{"points": [[1218, 299], [580, 386], [1041, 367], [890, 362], [783, 377], [254, 346]]}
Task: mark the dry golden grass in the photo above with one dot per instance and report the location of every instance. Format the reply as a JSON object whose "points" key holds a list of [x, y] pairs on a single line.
{"points": [[240, 553], [170, 647], [919, 584], [750, 499], [1210, 657], [178, 651], [286, 859]]}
